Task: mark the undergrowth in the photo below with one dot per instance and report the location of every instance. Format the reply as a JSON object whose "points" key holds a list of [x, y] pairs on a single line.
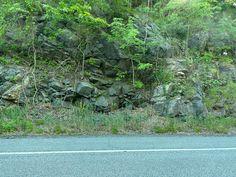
{"points": [[76, 121]]}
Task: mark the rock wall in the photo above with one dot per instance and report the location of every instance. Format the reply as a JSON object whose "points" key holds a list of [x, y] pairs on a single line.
{"points": [[198, 90], [17, 87]]}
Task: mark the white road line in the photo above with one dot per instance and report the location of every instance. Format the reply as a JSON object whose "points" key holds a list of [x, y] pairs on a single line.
{"points": [[115, 151]]}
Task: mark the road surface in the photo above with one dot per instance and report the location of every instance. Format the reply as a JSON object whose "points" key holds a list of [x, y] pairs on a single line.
{"points": [[118, 156]]}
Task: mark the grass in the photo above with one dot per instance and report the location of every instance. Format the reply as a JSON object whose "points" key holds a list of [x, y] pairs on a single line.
{"points": [[194, 125], [46, 120]]}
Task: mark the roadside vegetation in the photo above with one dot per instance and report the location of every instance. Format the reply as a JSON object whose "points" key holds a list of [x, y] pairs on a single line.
{"points": [[83, 121], [176, 58]]}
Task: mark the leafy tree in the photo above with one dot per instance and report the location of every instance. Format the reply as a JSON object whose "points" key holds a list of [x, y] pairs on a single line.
{"points": [[181, 19], [77, 14], [126, 36], [18, 20]]}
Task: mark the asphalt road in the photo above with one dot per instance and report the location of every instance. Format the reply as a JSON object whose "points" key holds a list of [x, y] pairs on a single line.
{"points": [[132, 156]]}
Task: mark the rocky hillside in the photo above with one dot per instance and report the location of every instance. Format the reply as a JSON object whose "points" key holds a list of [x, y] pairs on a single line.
{"points": [[126, 57]]}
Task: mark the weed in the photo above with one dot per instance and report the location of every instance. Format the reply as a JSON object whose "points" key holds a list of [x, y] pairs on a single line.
{"points": [[114, 131]]}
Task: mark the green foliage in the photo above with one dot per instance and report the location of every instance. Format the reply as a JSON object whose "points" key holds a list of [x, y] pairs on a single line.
{"points": [[91, 61], [111, 8], [114, 130], [121, 75], [144, 66], [14, 119], [138, 84], [178, 18], [208, 125], [4, 60], [21, 19], [217, 93], [209, 57], [163, 76], [126, 36], [75, 11], [84, 121], [223, 31], [169, 127]]}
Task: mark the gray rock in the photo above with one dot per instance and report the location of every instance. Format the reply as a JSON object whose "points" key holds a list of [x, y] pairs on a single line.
{"points": [[85, 89], [102, 102], [218, 113], [12, 74], [115, 89], [100, 82], [160, 105], [199, 41], [13, 94], [67, 82], [55, 84], [199, 108], [114, 102], [113, 92], [174, 107], [179, 108], [228, 71], [104, 49], [5, 86], [126, 89], [162, 90]]}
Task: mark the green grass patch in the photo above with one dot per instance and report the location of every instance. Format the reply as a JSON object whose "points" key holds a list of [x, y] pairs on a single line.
{"points": [[81, 120], [194, 125]]}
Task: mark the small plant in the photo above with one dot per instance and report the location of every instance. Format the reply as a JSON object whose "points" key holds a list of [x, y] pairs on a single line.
{"points": [[114, 130], [12, 78], [121, 75], [4, 60], [144, 66], [207, 57], [226, 59], [138, 84], [91, 61], [58, 129]]}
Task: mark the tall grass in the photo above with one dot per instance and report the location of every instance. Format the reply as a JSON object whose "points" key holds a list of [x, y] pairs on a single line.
{"points": [[81, 120]]}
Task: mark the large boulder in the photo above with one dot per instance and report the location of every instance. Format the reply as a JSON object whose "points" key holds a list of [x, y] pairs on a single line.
{"points": [[102, 104], [177, 107], [166, 103], [14, 93], [160, 104], [199, 109], [85, 89]]}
